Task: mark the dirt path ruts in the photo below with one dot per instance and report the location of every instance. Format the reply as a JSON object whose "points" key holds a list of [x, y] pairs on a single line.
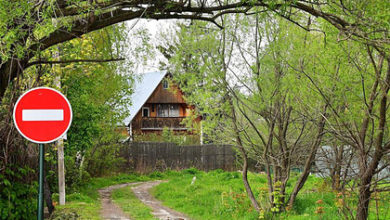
{"points": [[109, 209], [159, 211]]}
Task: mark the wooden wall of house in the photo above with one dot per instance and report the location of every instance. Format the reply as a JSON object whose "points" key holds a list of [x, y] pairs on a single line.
{"points": [[170, 95], [136, 123]]}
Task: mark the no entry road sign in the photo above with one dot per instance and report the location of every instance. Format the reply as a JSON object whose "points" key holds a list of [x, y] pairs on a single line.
{"points": [[42, 115]]}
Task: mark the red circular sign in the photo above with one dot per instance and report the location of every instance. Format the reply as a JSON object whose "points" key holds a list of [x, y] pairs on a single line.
{"points": [[42, 115]]}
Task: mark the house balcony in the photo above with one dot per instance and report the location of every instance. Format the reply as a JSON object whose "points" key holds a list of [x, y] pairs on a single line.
{"points": [[159, 123]]}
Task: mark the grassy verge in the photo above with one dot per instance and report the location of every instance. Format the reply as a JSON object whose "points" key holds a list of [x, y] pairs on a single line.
{"points": [[85, 203], [131, 205], [221, 195]]}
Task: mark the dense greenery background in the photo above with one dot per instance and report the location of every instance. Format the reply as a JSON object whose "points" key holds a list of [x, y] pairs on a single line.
{"points": [[279, 80]]}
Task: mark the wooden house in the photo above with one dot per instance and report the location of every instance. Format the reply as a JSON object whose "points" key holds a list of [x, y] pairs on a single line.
{"points": [[157, 103]]}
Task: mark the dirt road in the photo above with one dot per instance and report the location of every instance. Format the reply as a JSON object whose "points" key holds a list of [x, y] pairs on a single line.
{"points": [[111, 211], [159, 211]]}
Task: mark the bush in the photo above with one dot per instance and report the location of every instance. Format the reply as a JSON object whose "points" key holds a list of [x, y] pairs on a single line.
{"points": [[156, 175], [17, 200], [191, 171]]}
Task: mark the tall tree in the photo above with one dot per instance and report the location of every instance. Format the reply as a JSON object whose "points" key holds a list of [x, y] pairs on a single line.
{"points": [[27, 27], [238, 80], [304, 62]]}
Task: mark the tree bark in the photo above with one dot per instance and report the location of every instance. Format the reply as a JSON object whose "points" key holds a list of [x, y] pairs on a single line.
{"points": [[364, 199]]}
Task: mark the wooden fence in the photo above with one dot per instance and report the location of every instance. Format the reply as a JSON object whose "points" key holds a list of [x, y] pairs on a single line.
{"points": [[146, 157]]}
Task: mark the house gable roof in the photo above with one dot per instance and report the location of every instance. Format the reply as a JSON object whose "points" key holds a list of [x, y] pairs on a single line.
{"points": [[144, 86]]}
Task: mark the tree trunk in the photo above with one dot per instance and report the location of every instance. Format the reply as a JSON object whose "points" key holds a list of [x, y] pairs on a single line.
{"points": [[47, 195], [245, 180], [11, 69], [364, 199], [309, 161], [366, 175], [336, 174], [367, 172], [5, 70]]}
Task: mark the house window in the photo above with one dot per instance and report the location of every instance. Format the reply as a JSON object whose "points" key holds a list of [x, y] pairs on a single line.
{"points": [[165, 84], [145, 112], [168, 110], [163, 111], [173, 110]]}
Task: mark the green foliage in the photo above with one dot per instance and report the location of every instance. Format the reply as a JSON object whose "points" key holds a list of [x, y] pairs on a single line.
{"points": [[288, 68], [99, 99], [278, 198], [192, 171], [312, 68], [197, 65], [250, 95], [17, 199]]}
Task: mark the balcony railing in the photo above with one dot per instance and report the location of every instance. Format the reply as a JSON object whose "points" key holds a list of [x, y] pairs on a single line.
{"points": [[160, 123]]}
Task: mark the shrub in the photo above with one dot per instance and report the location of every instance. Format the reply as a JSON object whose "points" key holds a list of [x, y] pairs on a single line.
{"points": [[17, 200], [191, 171]]}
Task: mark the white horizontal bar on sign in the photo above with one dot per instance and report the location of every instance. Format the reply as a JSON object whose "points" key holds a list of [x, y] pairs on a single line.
{"points": [[42, 115]]}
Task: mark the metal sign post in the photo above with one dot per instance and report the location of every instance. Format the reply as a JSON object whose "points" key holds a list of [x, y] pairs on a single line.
{"points": [[42, 115], [40, 192]]}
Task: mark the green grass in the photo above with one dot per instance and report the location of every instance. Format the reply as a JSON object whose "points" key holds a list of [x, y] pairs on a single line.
{"points": [[214, 195], [221, 195], [131, 205]]}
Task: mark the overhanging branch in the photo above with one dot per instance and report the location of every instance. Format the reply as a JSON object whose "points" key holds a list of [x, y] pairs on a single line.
{"points": [[73, 61]]}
